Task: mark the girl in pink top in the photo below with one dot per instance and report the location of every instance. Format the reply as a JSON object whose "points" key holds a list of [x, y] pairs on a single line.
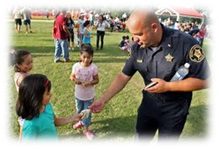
{"points": [[22, 66], [85, 76]]}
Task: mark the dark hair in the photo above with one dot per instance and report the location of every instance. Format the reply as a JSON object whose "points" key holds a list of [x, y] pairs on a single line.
{"points": [[102, 16], [30, 95], [86, 23], [17, 58], [87, 48]]}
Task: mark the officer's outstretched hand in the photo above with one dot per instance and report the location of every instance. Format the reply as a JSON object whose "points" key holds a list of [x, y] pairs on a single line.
{"points": [[160, 87], [97, 106]]}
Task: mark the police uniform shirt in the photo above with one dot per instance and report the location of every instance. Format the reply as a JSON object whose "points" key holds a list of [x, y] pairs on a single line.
{"points": [[176, 49]]}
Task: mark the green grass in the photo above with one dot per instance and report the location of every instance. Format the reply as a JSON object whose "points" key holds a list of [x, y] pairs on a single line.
{"points": [[118, 118]]}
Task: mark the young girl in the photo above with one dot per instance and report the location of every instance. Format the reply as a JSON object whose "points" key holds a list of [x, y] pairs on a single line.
{"points": [[70, 26], [85, 76], [101, 25], [87, 33], [22, 66], [34, 106]]}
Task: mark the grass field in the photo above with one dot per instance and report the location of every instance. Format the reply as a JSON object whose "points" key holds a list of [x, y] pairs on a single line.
{"points": [[118, 118]]}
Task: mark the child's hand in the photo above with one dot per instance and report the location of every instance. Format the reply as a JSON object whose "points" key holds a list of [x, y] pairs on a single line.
{"points": [[85, 113], [86, 84], [77, 117], [77, 82], [71, 78]]}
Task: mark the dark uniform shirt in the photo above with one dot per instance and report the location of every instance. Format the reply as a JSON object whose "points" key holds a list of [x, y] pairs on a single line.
{"points": [[176, 49]]}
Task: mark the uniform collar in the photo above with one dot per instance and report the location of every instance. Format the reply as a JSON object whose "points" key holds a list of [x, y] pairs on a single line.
{"points": [[167, 37], [166, 40]]}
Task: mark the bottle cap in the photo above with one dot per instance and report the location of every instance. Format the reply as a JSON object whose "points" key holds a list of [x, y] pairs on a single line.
{"points": [[187, 65]]}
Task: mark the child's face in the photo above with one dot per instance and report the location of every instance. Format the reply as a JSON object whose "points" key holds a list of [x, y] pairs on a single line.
{"points": [[26, 66], [86, 59], [46, 97], [68, 15]]}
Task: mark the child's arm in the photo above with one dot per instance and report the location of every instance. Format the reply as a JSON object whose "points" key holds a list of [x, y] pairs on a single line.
{"points": [[93, 82], [65, 120], [19, 80]]}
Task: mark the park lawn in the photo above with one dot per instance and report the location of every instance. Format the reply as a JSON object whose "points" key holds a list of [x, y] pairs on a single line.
{"points": [[118, 118]]}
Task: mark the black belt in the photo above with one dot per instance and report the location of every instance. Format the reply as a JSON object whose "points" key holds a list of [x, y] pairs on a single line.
{"points": [[168, 96]]}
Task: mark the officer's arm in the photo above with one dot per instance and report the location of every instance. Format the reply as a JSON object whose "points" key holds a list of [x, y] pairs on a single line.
{"points": [[189, 84], [116, 86]]}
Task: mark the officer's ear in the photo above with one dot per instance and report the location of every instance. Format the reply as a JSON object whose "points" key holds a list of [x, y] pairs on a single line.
{"points": [[154, 27]]}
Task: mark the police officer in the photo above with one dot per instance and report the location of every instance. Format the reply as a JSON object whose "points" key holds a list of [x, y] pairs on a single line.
{"points": [[157, 55]]}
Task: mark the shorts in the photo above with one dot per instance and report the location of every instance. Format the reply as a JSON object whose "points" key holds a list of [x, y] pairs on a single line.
{"points": [[27, 22], [18, 22]]}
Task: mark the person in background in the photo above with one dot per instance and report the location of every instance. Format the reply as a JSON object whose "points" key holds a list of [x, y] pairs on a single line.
{"points": [[26, 12], [125, 43], [17, 14], [87, 33], [80, 30], [101, 25], [70, 26], [201, 34], [60, 35]]}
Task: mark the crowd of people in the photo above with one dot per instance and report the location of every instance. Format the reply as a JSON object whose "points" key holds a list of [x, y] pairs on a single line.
{"points": [[67, 31], [198, 31]]}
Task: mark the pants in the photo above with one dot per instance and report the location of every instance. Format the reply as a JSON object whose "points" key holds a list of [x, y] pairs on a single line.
{"points": [[100, 37], [82, 105], [61, 47], [166, 116]]}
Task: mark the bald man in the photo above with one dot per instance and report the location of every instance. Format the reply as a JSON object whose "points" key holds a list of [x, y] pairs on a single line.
{"points": [[157, 55]]}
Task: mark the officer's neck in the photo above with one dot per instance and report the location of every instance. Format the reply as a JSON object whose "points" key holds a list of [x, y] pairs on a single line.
{"points": [[155, 48], [158, 37]]}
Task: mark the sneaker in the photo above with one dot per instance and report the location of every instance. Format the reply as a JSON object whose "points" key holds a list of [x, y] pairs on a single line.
{"points": [[89, 135], [78, 125], [57, 61], [67, 60]]}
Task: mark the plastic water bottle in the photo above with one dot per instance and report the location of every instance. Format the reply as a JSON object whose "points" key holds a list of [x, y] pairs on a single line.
{"points": [[181, 73]]}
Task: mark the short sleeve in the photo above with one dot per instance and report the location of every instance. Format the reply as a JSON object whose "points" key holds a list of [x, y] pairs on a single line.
{"points": [[95, 70], [49, 108], [199, 67], [129, 68], [74, 68]]}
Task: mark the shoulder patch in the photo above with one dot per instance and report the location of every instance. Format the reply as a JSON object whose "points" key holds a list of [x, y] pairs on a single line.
{"points": [[196, 54]]}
